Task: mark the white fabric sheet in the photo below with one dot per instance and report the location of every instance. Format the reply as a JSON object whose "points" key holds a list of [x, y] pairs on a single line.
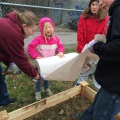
{"points": [[47, 66]]}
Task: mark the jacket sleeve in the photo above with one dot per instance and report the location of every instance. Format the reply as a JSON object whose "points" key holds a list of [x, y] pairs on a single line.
{"points": [[80, 37], [15, 49], [110, 51], [60, 47], [32, 48]]}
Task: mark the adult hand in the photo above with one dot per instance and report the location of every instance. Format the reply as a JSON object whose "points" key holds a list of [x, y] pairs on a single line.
{"points": [[97, 37], [37, 77], [90, 46], [100, 37]]}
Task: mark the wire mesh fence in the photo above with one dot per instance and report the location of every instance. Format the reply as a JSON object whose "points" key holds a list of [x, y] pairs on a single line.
{"points": [[64, 13]]}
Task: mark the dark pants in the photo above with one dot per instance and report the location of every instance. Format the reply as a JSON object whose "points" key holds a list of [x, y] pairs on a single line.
{"points": [[105, 106], [37, 85], [4, 97]]}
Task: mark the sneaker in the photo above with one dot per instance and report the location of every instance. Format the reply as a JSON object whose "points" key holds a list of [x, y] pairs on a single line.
{"points": [[48, 92], [11, 100], [77, 84], [38, 95], [77, 116]]}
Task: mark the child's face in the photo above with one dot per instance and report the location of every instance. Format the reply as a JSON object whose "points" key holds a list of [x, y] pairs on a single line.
{"points": [[48, 31], [95, 7]]}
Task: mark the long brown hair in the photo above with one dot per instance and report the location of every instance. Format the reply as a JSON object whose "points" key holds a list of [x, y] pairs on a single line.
{"points": [[87, 12], [27, 17]]}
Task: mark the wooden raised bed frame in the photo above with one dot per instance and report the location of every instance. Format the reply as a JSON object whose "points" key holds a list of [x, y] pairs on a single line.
{"points": [[38, 106]]}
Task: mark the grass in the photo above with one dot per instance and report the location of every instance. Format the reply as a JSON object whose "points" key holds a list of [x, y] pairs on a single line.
{"points": [[22, 87]]}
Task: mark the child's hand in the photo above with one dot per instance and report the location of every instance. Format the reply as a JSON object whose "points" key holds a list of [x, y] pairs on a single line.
{"points": [[60, 54], [39, 57]]}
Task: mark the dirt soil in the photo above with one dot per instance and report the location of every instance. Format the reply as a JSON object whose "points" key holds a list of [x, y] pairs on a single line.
{"points": [[64, 110]]}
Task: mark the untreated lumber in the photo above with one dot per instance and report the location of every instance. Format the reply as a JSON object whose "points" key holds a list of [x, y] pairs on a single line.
{"points": [[89, 93], [38, 106], [3, 115]]}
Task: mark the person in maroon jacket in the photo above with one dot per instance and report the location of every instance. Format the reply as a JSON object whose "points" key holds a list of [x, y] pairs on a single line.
{"points": [[14, 28]]}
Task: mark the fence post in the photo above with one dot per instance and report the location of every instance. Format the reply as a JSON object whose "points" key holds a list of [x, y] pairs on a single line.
{"points": [[0, 9]]}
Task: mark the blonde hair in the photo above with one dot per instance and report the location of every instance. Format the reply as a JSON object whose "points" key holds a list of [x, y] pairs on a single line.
{"points": [[47, 24], [28, 18], [87, 12]]}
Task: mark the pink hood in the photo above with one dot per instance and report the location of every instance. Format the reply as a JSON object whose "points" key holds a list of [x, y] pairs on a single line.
{"points": [[42, 21]]}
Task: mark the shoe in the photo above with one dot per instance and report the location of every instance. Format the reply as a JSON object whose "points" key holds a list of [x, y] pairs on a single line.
{"points": [[77, 84], [48, 92], [77, 116], [38, 95], [11, 101]]}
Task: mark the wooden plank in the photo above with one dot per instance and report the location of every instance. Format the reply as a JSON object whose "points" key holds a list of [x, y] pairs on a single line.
{"points": [[3, 115], [89, 93], [36, 107], [117, 117], [83, 85]]}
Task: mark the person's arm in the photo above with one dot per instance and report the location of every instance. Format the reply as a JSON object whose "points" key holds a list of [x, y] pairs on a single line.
{"points": [[110, 51], [80, 37], [14, 48], [32, 48], [60, 47]]}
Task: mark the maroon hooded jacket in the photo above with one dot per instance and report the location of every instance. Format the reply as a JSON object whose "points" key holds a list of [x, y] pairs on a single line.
{"points": [[12, 44]]}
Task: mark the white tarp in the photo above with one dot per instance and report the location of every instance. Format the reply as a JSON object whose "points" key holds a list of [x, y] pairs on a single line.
{"points": [[47, 66], [64, 69]]}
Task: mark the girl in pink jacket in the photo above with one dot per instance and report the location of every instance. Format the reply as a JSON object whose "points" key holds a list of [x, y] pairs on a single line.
{"points": [[45, 45]]}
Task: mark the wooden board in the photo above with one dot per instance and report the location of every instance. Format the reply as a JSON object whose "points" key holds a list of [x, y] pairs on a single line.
{"points": [[36, 107]]}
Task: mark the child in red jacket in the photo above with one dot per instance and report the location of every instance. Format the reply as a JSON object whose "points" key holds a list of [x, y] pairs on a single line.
{"points": [[93, 21]]}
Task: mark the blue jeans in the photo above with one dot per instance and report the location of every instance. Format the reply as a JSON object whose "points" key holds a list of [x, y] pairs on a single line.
{"points": [[4, 97], [37, 85], [105, 106]]}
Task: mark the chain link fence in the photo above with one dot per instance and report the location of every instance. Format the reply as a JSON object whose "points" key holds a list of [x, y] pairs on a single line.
{"points": [[62, 12]]}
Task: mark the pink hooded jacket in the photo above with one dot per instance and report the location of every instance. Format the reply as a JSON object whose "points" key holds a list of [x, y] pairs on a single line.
{"points": [[45, 47]]}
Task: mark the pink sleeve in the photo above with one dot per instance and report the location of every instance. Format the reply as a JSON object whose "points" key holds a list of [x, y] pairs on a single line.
{"points": [[59, 45], [32, 48]]}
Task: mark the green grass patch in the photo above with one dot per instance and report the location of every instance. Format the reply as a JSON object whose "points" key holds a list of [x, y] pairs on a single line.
{"points": [[22, 87]]}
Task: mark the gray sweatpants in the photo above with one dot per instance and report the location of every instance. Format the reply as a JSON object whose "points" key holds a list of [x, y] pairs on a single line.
{"points": [[90, 71]]}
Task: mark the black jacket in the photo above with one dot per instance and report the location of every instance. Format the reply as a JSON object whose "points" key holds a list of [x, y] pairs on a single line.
{"points": [[108, 69]]}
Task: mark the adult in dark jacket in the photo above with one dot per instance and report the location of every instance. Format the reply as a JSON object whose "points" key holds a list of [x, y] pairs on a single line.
{"points": [[14, 28], [107, 101]]}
